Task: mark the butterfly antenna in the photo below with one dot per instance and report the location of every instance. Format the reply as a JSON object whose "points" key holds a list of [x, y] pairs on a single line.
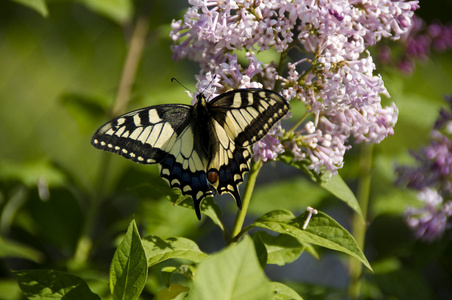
{"points": [[210, 83], [175, 79]]}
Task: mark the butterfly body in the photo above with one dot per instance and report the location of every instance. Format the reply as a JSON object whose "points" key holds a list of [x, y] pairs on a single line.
{"points": [[200, 149]]}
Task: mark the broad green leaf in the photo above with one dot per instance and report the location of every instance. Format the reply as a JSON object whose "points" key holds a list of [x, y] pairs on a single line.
{"points": [[38, 5], [119, 11], [128, 271], [322, 231], [261, 250], [10, 248], [281, 249], [167, 272], [51, 284], [283, 292], [171, 292], [233, 273], [158, 250], [337, 186], [185, 270]]}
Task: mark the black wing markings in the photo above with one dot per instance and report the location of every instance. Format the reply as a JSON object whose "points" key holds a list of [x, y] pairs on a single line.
{"points": [[225, 128]]}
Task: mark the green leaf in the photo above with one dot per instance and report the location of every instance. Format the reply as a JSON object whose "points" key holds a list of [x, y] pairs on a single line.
{"points": [[119, 11], [128, 271], [10, 248], [283, 292], [172, 292], [281, 249], [38, 5], [322, 231], [186, 270], [337, 186], [51, 284], [158, 250], [167, 273], [261, 250], [233, 273]]}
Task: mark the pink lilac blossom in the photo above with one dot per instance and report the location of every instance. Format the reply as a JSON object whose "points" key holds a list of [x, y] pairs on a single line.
{"points": [[416, 44], [432, 178], [317, 54], [430, 221]]}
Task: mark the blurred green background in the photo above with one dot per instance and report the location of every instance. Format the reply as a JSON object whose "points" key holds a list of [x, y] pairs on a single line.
{"points": [[59, 77]]}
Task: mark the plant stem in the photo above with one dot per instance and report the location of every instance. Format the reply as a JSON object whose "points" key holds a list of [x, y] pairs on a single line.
{"points": [[240, 219], [358, 228], [129, 71], [299, 122], [137, 41]]}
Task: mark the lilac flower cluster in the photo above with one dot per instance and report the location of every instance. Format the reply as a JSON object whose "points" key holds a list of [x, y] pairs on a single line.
{"points": [[432, 178], [417, 44], [315, 52]]}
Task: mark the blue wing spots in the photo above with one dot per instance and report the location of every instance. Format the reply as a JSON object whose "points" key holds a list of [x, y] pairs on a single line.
{"points": [[190, 183], [200, 149]]}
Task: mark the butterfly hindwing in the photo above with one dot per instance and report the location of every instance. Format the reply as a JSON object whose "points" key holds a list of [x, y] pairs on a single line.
{"points": [[144, 135], [184, 168]]}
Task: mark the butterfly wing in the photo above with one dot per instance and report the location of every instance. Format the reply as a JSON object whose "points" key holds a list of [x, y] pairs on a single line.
{"points": [[240, 118], [185, 168], [160, 134], [247, 115], [145, 135]]}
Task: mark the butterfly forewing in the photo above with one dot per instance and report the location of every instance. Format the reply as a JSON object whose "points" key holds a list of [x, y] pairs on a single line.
{"points": [[144, 135], [248, 114]]}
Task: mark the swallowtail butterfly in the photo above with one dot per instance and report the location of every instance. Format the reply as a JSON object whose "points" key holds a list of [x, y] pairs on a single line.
{"points": [[200, 149]]}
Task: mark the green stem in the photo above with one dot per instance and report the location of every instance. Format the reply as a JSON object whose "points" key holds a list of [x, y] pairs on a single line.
{"points": [[359, 228], [240, 219], [299, 122]]}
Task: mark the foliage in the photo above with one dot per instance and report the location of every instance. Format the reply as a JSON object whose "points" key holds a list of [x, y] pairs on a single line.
{"points": [[79, 224]]}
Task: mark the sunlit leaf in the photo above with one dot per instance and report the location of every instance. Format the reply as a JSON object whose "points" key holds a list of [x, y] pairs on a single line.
{"points": [[38, 5], [281, 249], [51, 284], [118, 10], [171, 292], [261, 250], [10, 248], [128, 271], [283, 292], [158, 250], [337, 186], [233, 273], [168, 272], [322, 231]]}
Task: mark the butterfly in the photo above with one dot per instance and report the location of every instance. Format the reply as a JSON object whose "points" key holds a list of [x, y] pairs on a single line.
{"points": [[201, 149]]}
